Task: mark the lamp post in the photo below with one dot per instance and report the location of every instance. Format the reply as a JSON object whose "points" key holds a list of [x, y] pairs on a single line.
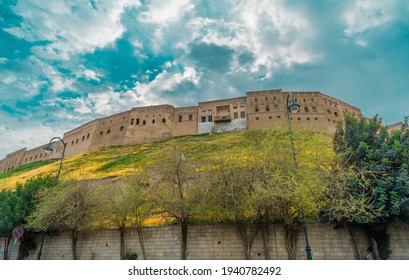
{"points": [[294, 108], [49, 149]]}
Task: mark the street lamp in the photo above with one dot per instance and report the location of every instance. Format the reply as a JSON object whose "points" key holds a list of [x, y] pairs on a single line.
{"points": [[49, 149], [294, 108]]}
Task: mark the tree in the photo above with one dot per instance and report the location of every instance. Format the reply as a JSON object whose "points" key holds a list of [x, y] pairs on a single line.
{"points": [[16, 206], [376, 191], [261, 184], [231, 188], [10, 217], [28, 194], [174, 180], [70, 207], [128, 203]]}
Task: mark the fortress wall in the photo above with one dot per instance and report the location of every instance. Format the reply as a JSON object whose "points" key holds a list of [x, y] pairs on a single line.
{"points": [[149, 124], [13, 160], [261, 109], [36, 154], [110, 131], [184, 121], [221, 241], [79, 139]]}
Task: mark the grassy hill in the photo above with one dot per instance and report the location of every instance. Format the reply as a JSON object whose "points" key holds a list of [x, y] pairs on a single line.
{"points": [[116, 162]]}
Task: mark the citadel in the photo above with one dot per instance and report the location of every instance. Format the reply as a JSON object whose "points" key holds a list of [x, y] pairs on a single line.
{"points": [[264, 109]]}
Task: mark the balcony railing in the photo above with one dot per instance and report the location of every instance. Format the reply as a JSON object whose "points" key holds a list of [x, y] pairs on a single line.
{"points": [[220, 119]]}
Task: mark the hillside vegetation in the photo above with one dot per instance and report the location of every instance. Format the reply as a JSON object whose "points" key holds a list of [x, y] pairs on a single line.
{"points": [[118, 162]]}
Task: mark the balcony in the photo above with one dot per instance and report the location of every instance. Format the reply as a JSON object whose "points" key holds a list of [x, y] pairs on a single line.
{"points": [[221, 119]]}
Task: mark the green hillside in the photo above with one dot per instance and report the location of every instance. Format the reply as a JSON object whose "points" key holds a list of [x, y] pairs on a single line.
{"points": [[117, 162]]}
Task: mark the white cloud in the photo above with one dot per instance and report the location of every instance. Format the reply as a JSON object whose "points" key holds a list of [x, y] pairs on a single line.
{"points": [[274, 34], [58, 81], [70, 26], [162, 12], [364, 15], [19, 133], [88, 74], [165, 81]]}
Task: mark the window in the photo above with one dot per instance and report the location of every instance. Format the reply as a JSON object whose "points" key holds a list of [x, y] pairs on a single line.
{"points": [[234, 107], [278, 116], [35, 157], [137, 121], [255, 99], [121, 128], [336, 114], [76, 142], [163, 120], [132, 120], [144, 122], [270, 117], [101, 133], [308, 119], [257, 118], [266, 98], [306, 109], [328, 111], [72, 143], [242, 115], [26, 159], [314, 109], [235, 115], [87, 135], [203, 119], [83, 138], [299, 119], [256, 108], [108, 131], [210, 118], [180, 118], [316, 119], [190, 117], [275, 108], [153, 121], [267, 108]]}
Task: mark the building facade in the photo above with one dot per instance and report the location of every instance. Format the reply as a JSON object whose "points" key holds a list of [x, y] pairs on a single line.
{"points": [[265, 109]]}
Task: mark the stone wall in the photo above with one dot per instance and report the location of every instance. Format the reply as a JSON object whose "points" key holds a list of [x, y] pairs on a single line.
{"points": [[220, 241]]}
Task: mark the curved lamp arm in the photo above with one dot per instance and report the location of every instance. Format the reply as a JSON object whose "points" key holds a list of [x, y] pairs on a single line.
{"points": [[49, 148]]}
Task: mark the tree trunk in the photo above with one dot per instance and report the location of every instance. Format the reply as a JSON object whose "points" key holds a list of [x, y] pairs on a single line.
{"points": [[74, 236], [122, 236], [352, 233], [246, 239], [291, 238], [184, 228], [264, 234], [142, 242], [6, 247], [375, 251]]}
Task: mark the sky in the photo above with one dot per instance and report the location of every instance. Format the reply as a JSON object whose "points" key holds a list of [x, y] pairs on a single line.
{"points": [[66, 62]]}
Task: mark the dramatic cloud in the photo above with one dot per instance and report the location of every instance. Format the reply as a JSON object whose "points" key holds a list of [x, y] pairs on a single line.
{"points": [[70, 26]]}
